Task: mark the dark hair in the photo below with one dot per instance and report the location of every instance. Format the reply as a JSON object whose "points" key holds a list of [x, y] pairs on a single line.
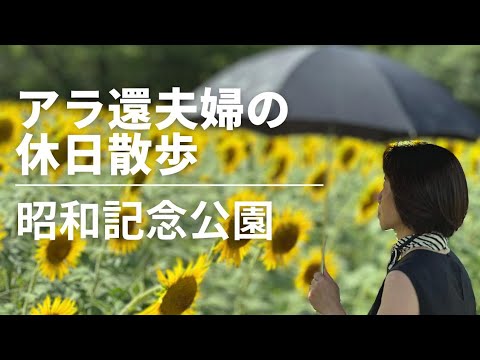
{"points": [[428, 185]]}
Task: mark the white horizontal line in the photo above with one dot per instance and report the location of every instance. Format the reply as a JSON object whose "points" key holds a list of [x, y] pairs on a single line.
{"points": [[167, 185]]}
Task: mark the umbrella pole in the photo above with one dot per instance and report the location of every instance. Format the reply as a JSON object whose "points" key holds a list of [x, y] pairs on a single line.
{"points": [[328, 145]]}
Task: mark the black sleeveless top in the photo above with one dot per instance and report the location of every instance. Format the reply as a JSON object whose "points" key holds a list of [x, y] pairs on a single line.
{"points": [[441, 282]]}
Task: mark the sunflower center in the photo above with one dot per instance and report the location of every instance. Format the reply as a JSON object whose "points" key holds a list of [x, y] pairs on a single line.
{"points": [[89, 160], [139, 177], [371, 201], [6, 130], [154, 141], [179, 297], [348, 156], [58, 249], [285, 238], [230, 154], [231, 242], [311, 270], [308, 157], [281, 167], [61, 155], [320, 178], [268, 147], [1, 167], [131, 224]]}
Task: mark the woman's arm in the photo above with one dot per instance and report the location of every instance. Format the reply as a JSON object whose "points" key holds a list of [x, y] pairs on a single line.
{"points": [[399, 296]]}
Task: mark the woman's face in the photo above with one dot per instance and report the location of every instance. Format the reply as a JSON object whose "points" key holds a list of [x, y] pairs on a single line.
{"points": [[387, 212]]}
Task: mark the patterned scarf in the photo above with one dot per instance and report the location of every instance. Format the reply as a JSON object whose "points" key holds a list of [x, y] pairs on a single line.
{"points": [[434, 241]]}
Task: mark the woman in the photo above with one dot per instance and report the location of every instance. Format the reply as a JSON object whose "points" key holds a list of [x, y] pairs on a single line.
{"points": [[424, 200]]}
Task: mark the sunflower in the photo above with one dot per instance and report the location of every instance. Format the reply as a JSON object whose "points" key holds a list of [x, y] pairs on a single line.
{"points": [[5, 168], [311, 149], [11, 128], [231, 152], [474, 168], [56, 257], [348, 153], [453, 145], [283, 159], [122, 246], [289, 230], [59, 307], [140, 177], [249, 140], [3, 235], [310, 266], [181, 288], [323, 174], [233, 251], [271, 145], [205, 178], [368, 205], [371, 159]]}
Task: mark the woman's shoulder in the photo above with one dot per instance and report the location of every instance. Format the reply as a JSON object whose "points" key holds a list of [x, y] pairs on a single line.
{"points": [[428, 254], [438, 276], [426, 259]]}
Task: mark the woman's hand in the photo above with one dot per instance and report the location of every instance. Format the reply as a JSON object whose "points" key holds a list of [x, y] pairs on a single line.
{"points": [[324, 295]]}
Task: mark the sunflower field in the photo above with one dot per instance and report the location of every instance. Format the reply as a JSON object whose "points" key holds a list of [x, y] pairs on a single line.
{"points": [[188, 275]]}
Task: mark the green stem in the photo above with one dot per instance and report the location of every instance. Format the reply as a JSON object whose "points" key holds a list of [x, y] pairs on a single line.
{"points": [[8, 292], [7, 280], [238, 307], [8, 273], [141, 270], [137, 299], [210, 253], [96, 276], [29, 290], [329, 143]]}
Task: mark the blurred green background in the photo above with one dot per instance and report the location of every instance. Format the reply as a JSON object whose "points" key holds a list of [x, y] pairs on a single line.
{"points": [[103, 67]]}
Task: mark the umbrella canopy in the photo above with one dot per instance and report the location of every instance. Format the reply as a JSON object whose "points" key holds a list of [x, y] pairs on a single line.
{"points": [[347, 91]]}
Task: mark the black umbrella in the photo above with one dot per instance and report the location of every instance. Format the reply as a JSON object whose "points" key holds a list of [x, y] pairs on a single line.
{"points": [[347, 91], [344, 90]]}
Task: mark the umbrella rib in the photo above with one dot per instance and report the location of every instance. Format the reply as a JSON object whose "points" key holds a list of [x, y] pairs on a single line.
{"points": [[412, 131], [300, 62]]}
